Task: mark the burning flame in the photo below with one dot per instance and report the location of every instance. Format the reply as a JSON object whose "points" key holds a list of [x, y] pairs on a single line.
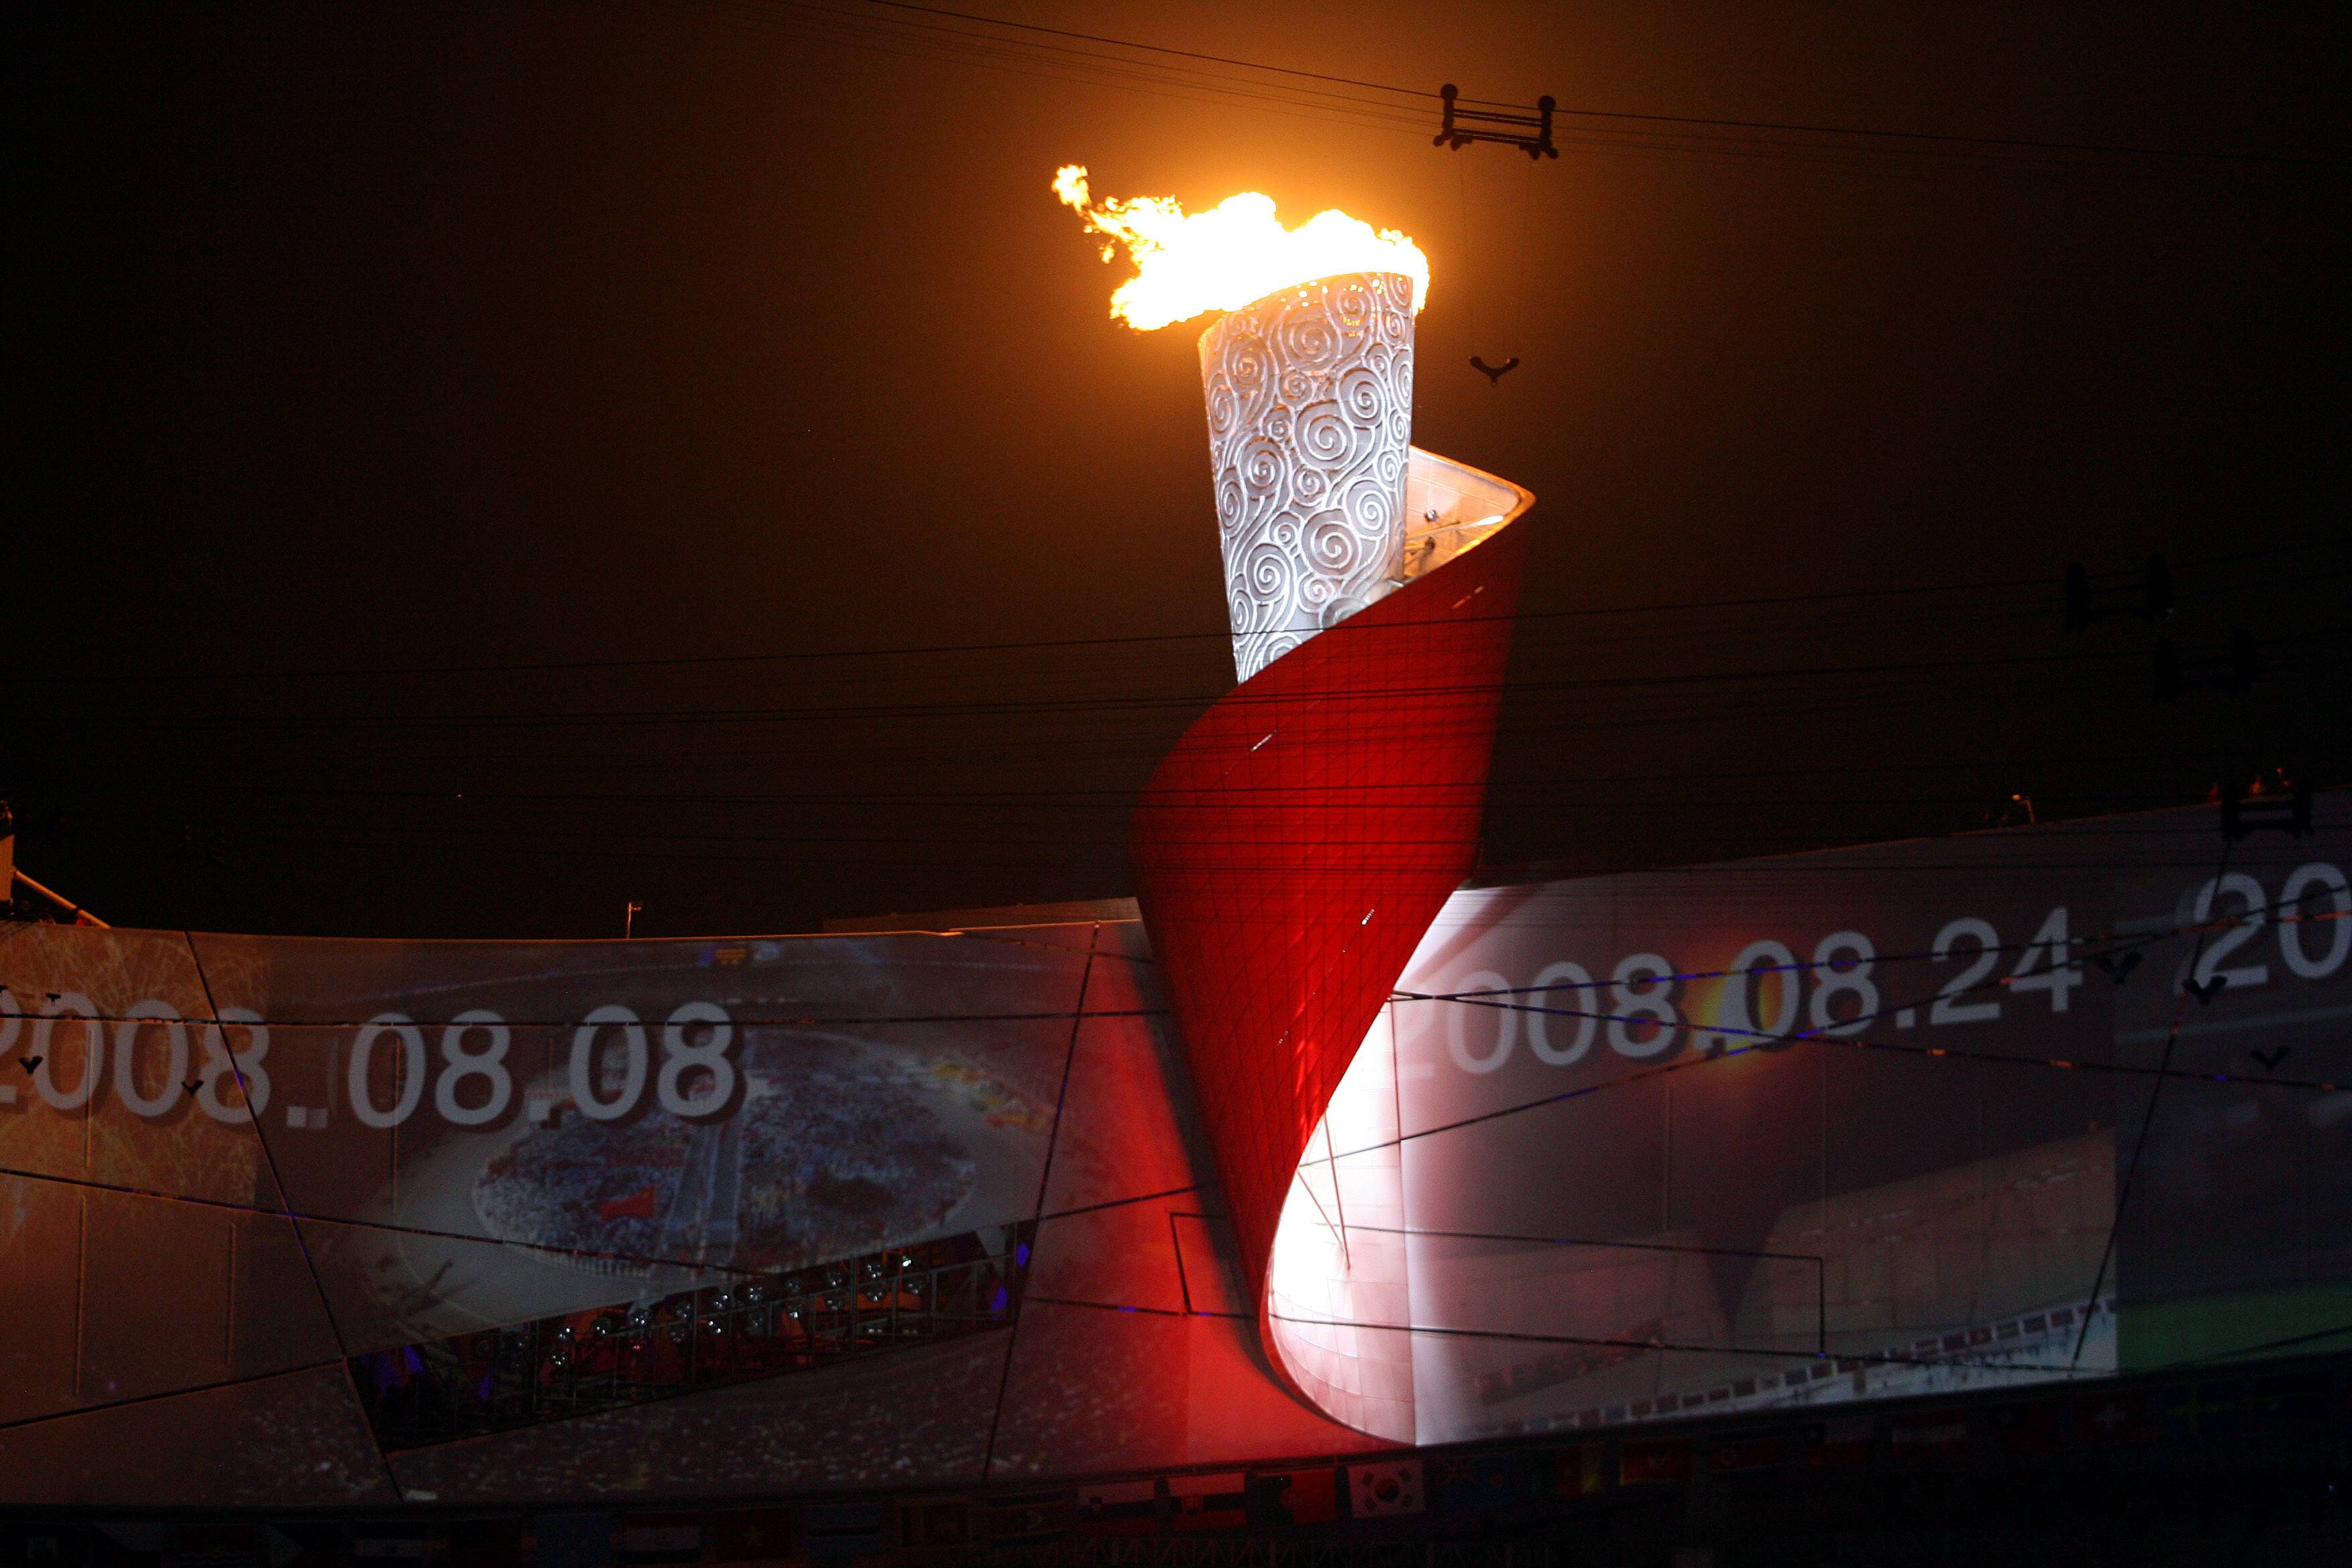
{"points": [[1237, 252]]}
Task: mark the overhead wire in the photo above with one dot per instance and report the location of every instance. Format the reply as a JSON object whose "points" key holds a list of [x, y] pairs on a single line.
{"points": [[1049, 41], [1273, 704], [2049, 581]]}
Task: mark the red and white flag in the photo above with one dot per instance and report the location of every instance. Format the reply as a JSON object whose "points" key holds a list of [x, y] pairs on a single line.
{"points": [[1209, 1502], [1374, 1489], [1118, 1508], [1928, 1434], [658, 1538]]}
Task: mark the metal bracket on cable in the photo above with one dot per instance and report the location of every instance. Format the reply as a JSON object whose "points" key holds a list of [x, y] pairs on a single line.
{"points": [[2088, 603], [1462, 126], [2243, 812]]}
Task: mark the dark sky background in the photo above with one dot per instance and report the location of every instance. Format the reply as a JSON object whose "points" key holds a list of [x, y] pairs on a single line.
{"points": [[695, 357]]}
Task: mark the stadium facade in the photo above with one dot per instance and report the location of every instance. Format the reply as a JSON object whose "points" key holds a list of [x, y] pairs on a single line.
{"points": [[1312, 1149], [491, 1222]]}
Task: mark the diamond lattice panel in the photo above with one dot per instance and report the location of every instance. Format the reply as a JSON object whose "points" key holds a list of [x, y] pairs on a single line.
{"points": [[1294, 846]]}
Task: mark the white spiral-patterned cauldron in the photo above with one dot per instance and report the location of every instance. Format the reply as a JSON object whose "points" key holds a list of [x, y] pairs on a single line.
{"points": [[1310, 419]]}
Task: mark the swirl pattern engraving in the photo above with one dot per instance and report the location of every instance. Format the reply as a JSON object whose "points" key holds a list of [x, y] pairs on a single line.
{"points": [[1310, 398]]}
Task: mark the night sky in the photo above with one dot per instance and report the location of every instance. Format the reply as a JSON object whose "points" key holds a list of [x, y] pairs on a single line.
{"points": [[477, 466]]}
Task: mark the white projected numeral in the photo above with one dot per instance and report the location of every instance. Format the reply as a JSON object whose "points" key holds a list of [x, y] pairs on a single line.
{"points": [[679, 1057], [2058, 973], [2249, 893], [127, 1031], [489, 1064], [2315, 937], [1760, 964], [408, 1072], [585, 1064], [1470, 1008], [223, 1066], [72, 1005], [12, 1024], [697, 1078], [2299, 910], [1574, 995], [1948, 1008], [1653, 1004], [1829, 983]]}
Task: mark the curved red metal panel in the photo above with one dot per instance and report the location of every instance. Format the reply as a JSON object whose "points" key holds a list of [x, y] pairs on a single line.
{"points": [[1293, 849]]}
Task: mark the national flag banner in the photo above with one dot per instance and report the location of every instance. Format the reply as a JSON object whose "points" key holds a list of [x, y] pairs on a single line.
{"points": [[1580, 1472], [398, 1541], [478, 1543], [1653, 1461], [2293, 1399], [575, 1540], [1929, 1435], [1476, 1483], [1394, 1487], [2029, 1428], [1208, 1502], [1295, 1497], [44, 1546], [1118, 1508], [213, 1546], [316, 1544], [1753, 1452], [749, 1537], [1839, 1444], [1033, 1516], [838, 1530], [2111, 1418], [657, 1538], [139, 1538], [936, 1524], [2204, 1410]]}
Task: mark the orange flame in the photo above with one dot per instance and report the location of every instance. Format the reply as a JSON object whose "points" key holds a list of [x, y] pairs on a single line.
{"points": [[1237, 252]]}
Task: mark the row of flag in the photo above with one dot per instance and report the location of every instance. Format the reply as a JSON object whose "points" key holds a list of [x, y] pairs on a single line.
{"points": [[1523, 1478]]}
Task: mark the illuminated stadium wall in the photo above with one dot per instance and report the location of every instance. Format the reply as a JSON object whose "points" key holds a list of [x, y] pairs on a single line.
{"points": [[1854, 1125], [545, 1221]]}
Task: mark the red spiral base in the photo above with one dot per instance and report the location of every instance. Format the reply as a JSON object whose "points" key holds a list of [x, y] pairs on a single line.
{"points": [[1295, 847]]}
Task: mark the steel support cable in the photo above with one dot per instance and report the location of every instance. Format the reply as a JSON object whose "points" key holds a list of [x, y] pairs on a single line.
{"points": [[2148, 1116], [1871, 133], [1854, 1357], [558, 1025], [1272, 704], [1776, 1042], [1073, 796], [1422, 94], [1555, 871], [24, 1421], [1060, 834], [2109, 944], [859, 23], [1767, 1040], [1044, 1178], [1060, 66], [388, 1227], [2046, 582], [1874, 1358], [285, 1210]]}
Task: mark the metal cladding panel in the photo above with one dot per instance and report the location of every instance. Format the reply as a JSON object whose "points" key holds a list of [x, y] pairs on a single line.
{"points": [[1309, 393], [1292, 849]]}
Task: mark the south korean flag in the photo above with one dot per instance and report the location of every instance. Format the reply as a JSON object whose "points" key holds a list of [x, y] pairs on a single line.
{"points": [[1375, 1490]]}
